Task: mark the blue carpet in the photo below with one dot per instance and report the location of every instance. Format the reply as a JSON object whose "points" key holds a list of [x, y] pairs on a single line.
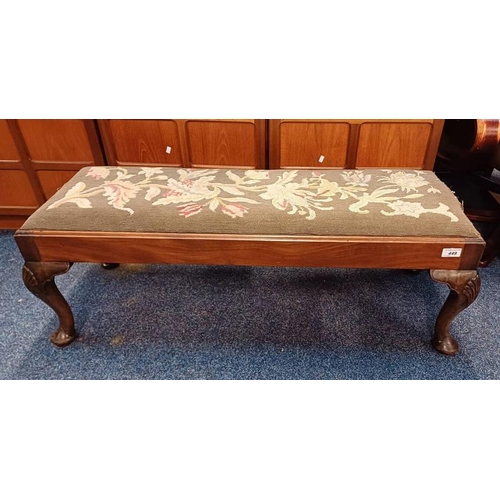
{"points": [[217, 322]]}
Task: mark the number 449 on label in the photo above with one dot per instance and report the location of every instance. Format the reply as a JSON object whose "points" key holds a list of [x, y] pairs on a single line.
{"points": [[451, 252]]}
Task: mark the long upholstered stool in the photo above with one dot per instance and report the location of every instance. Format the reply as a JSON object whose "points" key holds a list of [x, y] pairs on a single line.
{"points": [[374, 218]]}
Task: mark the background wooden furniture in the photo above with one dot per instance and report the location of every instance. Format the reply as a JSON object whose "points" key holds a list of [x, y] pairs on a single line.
{"points": [[468, 160], [186, 143], [354, 143], [39, 156]]}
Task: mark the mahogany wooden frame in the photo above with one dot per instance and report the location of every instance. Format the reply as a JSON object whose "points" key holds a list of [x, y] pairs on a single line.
{"points": [[48, 253]]}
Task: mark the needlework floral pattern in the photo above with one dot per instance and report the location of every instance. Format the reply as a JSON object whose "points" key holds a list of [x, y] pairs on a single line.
{"points": [[233, 194]]}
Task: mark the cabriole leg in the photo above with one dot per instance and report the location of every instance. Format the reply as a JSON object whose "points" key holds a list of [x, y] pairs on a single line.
{"points": [[39, 279], [464, 289]]}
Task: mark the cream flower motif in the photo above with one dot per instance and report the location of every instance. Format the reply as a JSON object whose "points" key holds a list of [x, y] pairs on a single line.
{"points": [[194, 190], [331, 188], [98, 172], [150, 171], [281, 194], [411, 209], [406, 181], [357, 178], [193, 173], [257, 174], [401, 207], [291, 195], [188, 190], [119, 193]]}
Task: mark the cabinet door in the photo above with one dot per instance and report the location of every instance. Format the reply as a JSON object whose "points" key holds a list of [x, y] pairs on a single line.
{"points": [[313, 144], [36, 158], [142, 142], [186, 143], [226, 143], [57, 149], [393, 145], [18, 198], [354, 143]]}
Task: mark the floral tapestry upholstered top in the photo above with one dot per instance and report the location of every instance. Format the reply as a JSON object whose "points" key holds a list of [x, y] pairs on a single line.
{"points": [[306, 202]]}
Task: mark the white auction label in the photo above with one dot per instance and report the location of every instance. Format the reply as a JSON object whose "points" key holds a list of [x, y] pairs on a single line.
{"points": [[168, 150], [321, 159], [451, 252]]}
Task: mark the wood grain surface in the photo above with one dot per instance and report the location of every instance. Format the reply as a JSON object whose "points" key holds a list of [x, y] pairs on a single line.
{"points": [[399, 145], [191, 143], [52, 180], [16, 190], [45, 154], [143, 142], [365, 144], [56, 140], [222, 143], [258, 250], [8, 150], [314, 144]]}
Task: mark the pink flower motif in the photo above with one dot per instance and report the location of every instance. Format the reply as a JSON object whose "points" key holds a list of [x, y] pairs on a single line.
{"points": [[172, 192], [189, 209], [98, 172], [234, 210], [315, 173], [119, 193]]}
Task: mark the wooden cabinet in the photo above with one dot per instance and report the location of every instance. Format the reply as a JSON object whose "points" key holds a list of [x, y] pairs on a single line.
{"points": [[18, 196], [141, 142], [56, 149], [36, 158], [186, 143], [354, 143]]}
